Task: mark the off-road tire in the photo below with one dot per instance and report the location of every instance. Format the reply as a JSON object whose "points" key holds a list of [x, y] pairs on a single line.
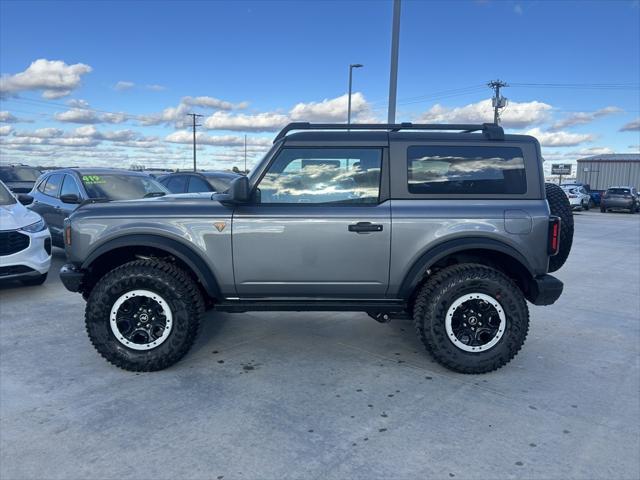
{"points": [[34, 281], [440, 291], [560, 207], [173, 285]]}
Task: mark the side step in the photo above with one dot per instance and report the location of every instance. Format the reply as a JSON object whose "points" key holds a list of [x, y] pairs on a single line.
{"points": [[310, 305]]}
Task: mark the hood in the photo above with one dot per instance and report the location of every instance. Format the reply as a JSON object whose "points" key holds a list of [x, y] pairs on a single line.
{"points": [[180, 205], [16, 216]]}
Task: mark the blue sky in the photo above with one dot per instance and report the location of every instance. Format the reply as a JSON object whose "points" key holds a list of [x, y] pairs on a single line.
{"points": [[112, 81]]}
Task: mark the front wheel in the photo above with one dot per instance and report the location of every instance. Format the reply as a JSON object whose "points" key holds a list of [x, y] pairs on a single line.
{"points": [[471, 318], [144, 315]]}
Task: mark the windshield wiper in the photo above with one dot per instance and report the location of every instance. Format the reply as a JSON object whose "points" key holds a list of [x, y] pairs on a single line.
{"points": [[154, 194]]}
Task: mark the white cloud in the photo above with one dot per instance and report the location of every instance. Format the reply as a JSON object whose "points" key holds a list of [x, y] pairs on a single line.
{"points": [[123, 85], [259, 122], [586, 152], [559, 138], [327, 110], [184, 136], [212, 102], [515, 115], [41, 133], [330, 110], [155, 87], [635, 148], [581, 118], [5, 130], [8, 117], [54, 77], [82, 113], [632, 126]]}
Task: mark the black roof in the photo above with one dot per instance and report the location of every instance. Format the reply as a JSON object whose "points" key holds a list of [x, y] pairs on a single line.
{"points": [[382, 136]]}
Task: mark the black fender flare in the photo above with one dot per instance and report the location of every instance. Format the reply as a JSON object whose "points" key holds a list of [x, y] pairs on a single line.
{"points": [[176, 248], [457, 245]]}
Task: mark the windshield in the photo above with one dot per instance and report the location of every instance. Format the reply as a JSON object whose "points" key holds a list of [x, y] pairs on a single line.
{"points": [[19, 174], [618, 191], [5, 196], [121, 187]]}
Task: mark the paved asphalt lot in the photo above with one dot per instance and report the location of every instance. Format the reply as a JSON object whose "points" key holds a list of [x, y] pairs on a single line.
{"points": [[337, 395]]}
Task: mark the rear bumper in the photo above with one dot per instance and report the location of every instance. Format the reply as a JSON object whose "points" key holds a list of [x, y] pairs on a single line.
{"points": [[545, 290], [71, 277], [617, 203]]}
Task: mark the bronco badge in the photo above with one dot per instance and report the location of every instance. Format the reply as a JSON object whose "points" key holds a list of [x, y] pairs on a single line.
{"points": [[220, 225]]}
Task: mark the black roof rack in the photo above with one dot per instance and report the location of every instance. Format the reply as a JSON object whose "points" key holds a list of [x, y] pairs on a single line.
{"points": [[490, 130]]}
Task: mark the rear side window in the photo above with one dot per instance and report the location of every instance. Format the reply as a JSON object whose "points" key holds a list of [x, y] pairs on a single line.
{"points": [[177, 184], [196, 184], [466, 170], [53, 185]]}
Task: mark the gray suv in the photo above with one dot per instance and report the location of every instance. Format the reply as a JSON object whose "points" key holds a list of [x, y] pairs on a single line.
{"points": [[453, 228]]}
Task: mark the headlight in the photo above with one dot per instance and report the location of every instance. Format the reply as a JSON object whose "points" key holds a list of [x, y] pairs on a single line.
{"points": [[35, 227]]}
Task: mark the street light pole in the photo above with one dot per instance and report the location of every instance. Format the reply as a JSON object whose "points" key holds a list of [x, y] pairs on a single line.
{"points": [[393, 76], [351, 67]]}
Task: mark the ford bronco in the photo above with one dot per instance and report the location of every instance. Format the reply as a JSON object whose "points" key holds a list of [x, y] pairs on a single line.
{"points": [[451, 225]]}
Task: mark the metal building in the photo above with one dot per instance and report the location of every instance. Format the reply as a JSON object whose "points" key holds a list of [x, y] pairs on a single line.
{"points": [[604, 171]]}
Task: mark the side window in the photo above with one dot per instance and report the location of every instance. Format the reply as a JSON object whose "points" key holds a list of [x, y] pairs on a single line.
{"points": [[69, 186], [53, 185], [196, 184], [466, 170], [42, 184], [177, 184], [323, 175]]}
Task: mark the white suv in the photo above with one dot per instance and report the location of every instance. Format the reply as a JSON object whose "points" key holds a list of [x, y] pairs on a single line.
{"points": [[578, 197], [25, 243]]}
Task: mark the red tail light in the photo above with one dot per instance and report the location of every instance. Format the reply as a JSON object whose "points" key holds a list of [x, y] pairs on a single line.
{"points": [[554, 236]]}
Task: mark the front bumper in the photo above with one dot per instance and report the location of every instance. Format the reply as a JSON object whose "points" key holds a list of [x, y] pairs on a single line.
{"points": [[545, 290], [32, 261], [71, 277]]}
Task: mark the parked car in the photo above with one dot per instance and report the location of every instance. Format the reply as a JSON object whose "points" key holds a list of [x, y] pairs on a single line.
{"points": [[594, 194], [58, 193], [25, 243], [19, 178], [191, 182], [475, 234], [620, 198], [578, 197]]}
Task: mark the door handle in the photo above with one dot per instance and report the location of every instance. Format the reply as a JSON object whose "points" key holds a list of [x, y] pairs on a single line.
{"points": [[365, 227]]}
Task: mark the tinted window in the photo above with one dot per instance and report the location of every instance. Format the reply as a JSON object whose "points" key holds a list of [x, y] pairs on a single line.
{"points": [[69, 186], [323, 175], [19, 174], [618, 191], [53, 184], [5, 196], [221, 183], [196, 184], [121, 187], [177, 184], [466, 170], [42, 184]]}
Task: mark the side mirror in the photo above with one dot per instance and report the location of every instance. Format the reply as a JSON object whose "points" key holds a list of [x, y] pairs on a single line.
{"points": [[25, 199], [239, 190], [70, 198]]}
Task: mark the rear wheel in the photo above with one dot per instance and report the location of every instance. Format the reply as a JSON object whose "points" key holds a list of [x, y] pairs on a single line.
{"points": [[560, 207], [471, 318], [144, 315]]}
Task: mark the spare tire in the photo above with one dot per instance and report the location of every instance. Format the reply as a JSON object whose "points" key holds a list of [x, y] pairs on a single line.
{"points": [[560, 207]]}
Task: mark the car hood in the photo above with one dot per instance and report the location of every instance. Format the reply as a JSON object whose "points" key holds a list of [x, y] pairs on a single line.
{"points": [[174, 205], [16, 216]]}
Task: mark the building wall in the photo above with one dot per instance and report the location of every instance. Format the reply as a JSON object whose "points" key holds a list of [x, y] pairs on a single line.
{"points": [[601, 175]]}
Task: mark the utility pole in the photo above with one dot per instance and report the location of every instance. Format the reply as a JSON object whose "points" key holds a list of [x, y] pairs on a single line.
{"points": [[393, 76], [194, 117], [498, 101]]}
